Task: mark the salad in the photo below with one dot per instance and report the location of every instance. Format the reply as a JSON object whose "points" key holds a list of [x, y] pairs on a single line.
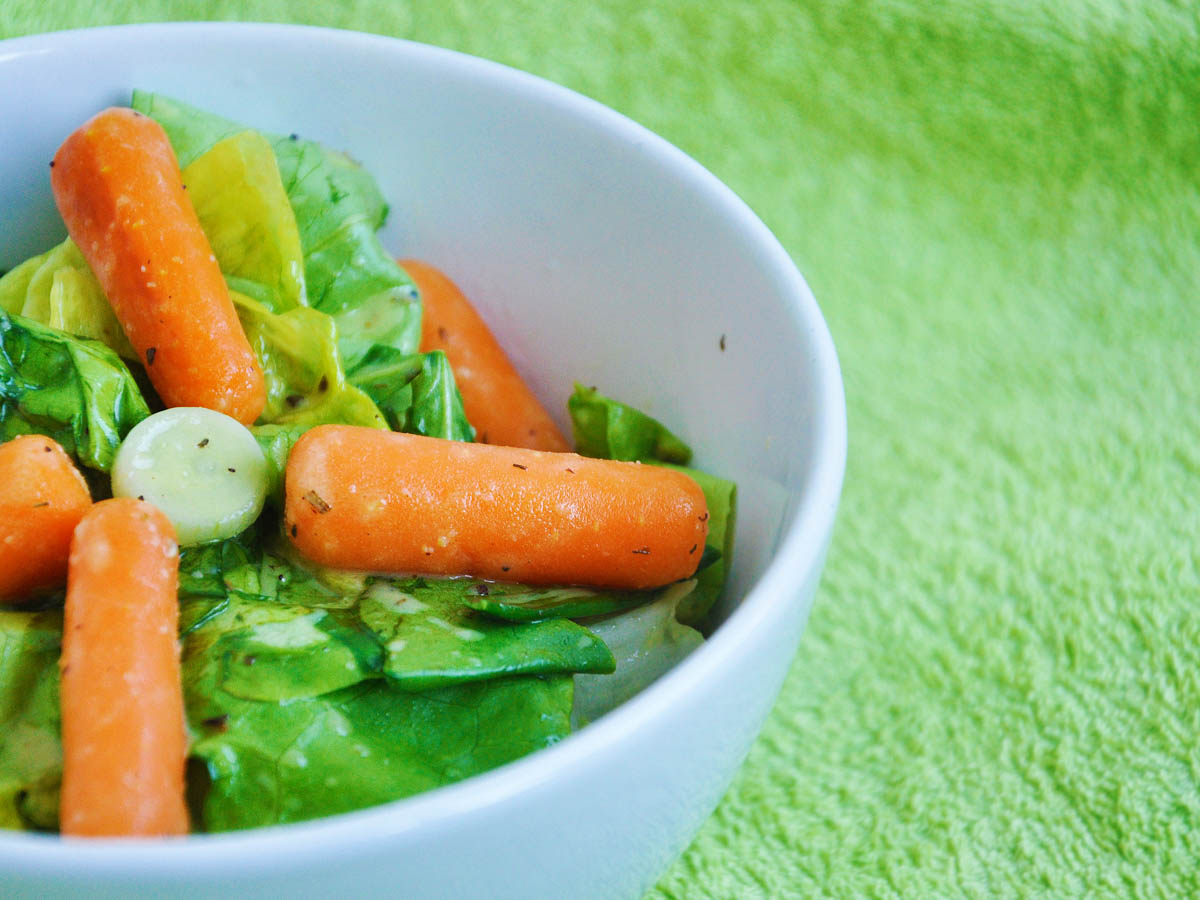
{"points": [[315, 680]]}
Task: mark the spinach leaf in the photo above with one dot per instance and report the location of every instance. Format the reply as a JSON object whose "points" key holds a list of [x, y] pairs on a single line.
{"points": [[607, 429], [30, 747], [519, 603], [432, 639], [417, 393], [58, 289], [260, 567], [270, 763], [276, 652], [74, 390]]}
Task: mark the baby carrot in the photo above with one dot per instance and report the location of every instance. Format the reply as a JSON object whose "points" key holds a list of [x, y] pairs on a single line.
{"points": [[42, 499], [122, 703], [117, 185], [359, 498], [495, 398]]}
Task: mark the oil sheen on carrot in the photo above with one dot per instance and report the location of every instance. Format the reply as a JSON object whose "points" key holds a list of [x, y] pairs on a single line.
{"points": [[42, 499], [118, 187], [359, 498], [123, 734]]}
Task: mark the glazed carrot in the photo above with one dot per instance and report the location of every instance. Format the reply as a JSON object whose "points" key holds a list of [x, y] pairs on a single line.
{"points": [[42, 499], [122, 703], [359, 498], [117, 185], [495, 398]]}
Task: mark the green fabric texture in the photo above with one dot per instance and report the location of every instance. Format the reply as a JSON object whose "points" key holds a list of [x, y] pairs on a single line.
{"points": [[997, 207]]}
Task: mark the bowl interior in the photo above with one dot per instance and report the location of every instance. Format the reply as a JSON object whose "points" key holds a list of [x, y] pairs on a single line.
{"points": [[598, 253]]}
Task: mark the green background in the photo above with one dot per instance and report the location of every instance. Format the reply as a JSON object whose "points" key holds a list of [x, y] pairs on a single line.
{"points": [[995, 204]]}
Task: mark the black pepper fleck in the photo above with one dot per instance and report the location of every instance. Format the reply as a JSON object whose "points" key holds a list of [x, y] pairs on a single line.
{"points": [[232, 470], [323, 384], [203, 444], [52, 164], [40, 505], [504, 568], [150, 354], [293, 136], [482, 590], [722, 342], [642, 551], [219, 723], [293, 400], [295, 531], [47, 449], [519, 466], [693, 550]]}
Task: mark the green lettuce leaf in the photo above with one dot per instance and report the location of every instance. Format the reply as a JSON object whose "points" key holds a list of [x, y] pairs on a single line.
{"points": [[76, 391], [243, 208], [417, 393], [306, 384], [58, 289], [433, 640], [607, 429], [647, 642], [519, 603], [270, 763], [276, 652], [30, 746]]}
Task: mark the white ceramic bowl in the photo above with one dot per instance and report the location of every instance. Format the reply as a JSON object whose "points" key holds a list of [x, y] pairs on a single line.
{"points": [[599, 253]]}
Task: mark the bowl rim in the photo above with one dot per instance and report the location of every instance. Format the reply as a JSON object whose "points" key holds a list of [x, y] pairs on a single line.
{"points": [[801, 544]]}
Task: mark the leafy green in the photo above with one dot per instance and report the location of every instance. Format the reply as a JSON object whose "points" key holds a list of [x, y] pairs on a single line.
{"points": [[243, 208], [432, 639], [608, 429], [270, 763], [273, 651], [647, 642], [74, 390], [30, 747], [299, 356], [417, 393], [256, 566], [519, 603], [277, 442], [58, 289]]}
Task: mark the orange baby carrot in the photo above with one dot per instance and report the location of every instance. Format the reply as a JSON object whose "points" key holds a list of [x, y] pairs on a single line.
{"points": [[495, 398], [122, 703], [359, 498], [117, 185], [42, 499]]}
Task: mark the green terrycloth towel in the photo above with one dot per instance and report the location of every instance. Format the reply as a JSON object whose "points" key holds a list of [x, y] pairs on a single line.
{"points": [[996, 206]]}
